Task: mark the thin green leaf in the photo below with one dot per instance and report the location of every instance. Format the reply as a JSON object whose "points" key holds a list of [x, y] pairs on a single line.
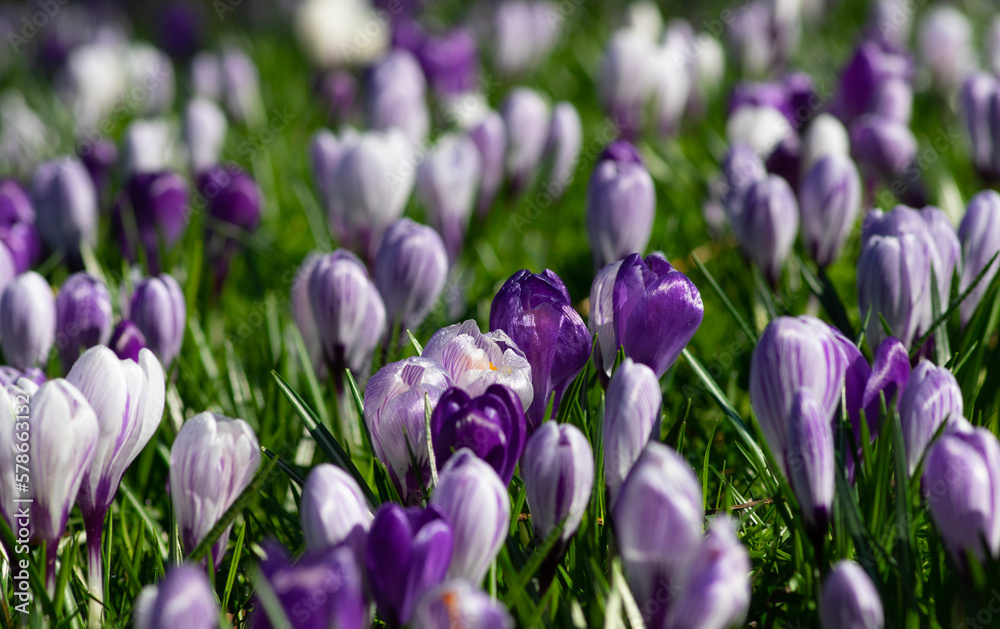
{"points": [[748, 332]]}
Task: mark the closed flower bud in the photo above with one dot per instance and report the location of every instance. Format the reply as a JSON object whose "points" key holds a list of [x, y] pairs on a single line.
{"points": [[475, 360], [83, 317], [408, 554], [159, 311], [535, 311], [492, 425], [962, 486], [234, 205], [849, 599], [397, 96], [184, 598], [562, 148], [890, 372], [204, 133], [931, 397], [657, 310], [451, 61], [447, 180], [302, 313], [657, 559], [212, 461], [809, 460], [558, 475], [490, 137], [17, 226], [671, 77], [100, 158], [621, 204], [152, 207], [882, 146], [742, 168], [873, 67], [148, 146], [601, 319], [321, 589], [525, 35], [458, 604], [767, 225], [27, 321], [65, 205], [333, 510], [127, 340], [410, 272], [979, 235], [326, 151], [944, 42], [8, 268], [824, 136], [794, 353], [240, 83], [526, 120], [631, 419], [394, 412], [761, 127], [475, 501], [829, 200], [978, 90], [624, 84]]}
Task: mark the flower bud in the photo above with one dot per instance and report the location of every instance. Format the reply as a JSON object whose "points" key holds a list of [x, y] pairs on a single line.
{"points": [[410, 272], [127, 340], [890, 372], [944, 42], [151, 207], [829, 200], [159, 311], [849, 599], [631, 419], [761, 127], [490, 137], [408, 554], [234, 205], [450, 61], [397, 96], [824, 136], [601, 319], [882, 147], [447, 180], [240, 86], [83, 317], [526, 120], [65, 204], [333, 510], [100, 158], [767, 224], [621, 204], [979, 234], [326, 151], [562, 148], [212, 461], [148, 146], [27, 321], [458, 603], [625, 81], [17, 226], [204, 133], [525, 35], [558, 475], [872, 68], [474, 500], [184, 598], [978, 90], [742, 168], [809, 460], [671, 77], [931, 397]]}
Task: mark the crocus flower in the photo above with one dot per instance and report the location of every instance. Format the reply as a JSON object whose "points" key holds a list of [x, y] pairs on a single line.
{"points": [[240, 86], [326, 151], [526, 119], [866, 75], [631, 419], [558, 473], [347, 310], [767, 224], [83, 317], [158, 310], [301, 305], [321, 589], [978, 90], [824, 136], [794, 353], [962, 485], [525, 35], [128, 399], [447, 180], [490, 136], [204, 133], [621, 203], [459, 603], [474, 500], [475, 360], [492, 425], [99, 157], [931, 397], [993, 46], [408, 554], [17, 225], [212, 461], [944, 42], [671, 88], [535, 311], [742, 168], [394, 413], [450, 61], [761, 127], [127, 340], [562, 148], [624, 80], [27, 320], [809, 460], [65, 205], [397, 96], [717, 593], [234, 205], [151, 207], [890, 372], [979, 235], [657, 310], [148, 146], [410, 271], [184, 598], [601, 319], [657, 559], [333, 510], [849, 599], [882, 146], [829, 200]]}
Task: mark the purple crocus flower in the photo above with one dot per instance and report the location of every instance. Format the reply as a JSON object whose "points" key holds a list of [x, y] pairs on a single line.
{"points": [[657, 310], [849, 599], [742, 168], [99, 158], [490, 136], [326, 151], [410, 272], [447, 180], [601, 319], [944, 43], [808, 459], [873, 68], [931, 397], [979, 235], [322, 589], [458, 601], [408, 554], [962, 486], [450, 61], [978, 90], [829, 200], [562, 148], [83, 317], [558, 471], [535, 311], [27, 320], [883, 147], [621, 204], [204, 133], [212, 461], [526, 120], [394, 412], [184, 598], [474, 500], [624, 83], [152, 206], [180, 29], [333, 510], [890, 372], [338, 90], [631, 419], [65, 204], [492, 425], [234, 204], [397, 96], [159, 311], [17, 225], [127, 340], [525, 35], [767, 224]]}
